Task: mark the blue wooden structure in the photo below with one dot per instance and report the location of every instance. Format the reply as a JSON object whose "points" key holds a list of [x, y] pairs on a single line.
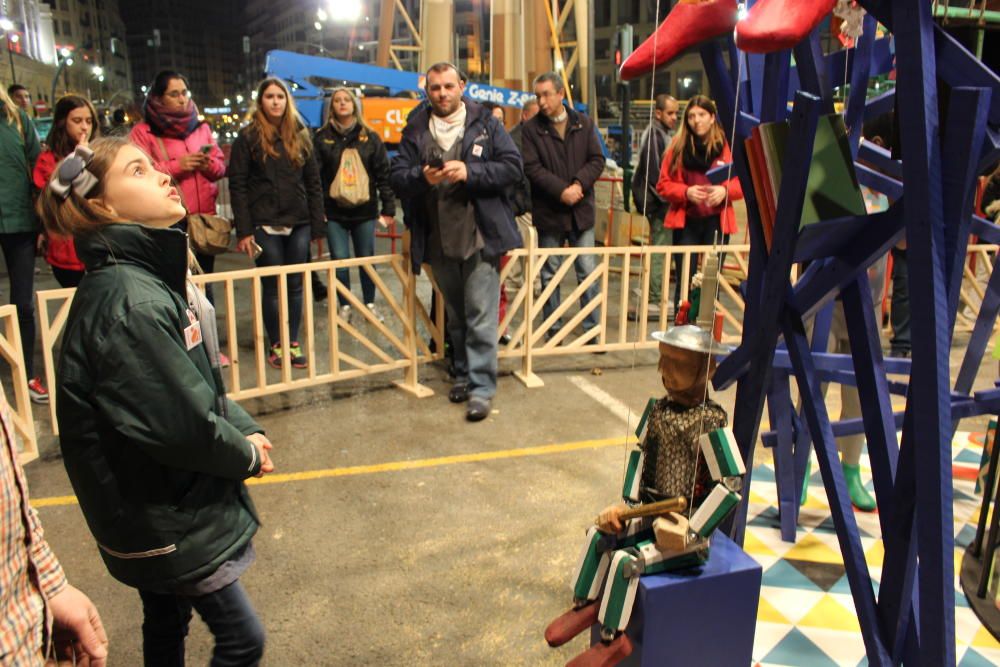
{"points": [[911, 619], [706, 617]]}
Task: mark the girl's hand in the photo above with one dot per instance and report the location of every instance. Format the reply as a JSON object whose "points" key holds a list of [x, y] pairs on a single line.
{"points": [[696, 194], [246, 245], [82, 140], [385, 221], [716, 195], [192, 161]]}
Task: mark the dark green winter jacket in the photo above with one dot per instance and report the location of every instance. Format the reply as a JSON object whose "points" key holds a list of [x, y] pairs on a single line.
{"points": [[156, 465], [19, 148]]}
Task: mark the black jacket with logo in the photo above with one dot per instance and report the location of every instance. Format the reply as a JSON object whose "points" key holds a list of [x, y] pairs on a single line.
{"points": [[273, 191], [330, 146], [552, 164]]}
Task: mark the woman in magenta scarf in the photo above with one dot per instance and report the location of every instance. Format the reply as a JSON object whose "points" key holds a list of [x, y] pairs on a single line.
{"points": [[181, 145]]}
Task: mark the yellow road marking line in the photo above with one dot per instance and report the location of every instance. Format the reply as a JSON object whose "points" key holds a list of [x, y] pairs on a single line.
{"points": [[394, 466]]}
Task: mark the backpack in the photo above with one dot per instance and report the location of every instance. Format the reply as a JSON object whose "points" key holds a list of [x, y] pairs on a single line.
{"points": [[351, 186]]}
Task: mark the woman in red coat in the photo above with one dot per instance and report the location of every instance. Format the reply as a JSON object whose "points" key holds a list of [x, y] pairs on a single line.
{"points": [[698, 209], [74, 121]]}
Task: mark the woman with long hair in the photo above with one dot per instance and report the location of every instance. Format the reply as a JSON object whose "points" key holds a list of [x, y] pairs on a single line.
{"points": [[19, 149], [181, 146], [277, 204], [346, 224], [699, 210], [156, 452], [74, 122]]}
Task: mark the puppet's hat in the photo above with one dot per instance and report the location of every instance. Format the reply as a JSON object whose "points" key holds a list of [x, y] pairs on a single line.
{"points": [[691, 337]]}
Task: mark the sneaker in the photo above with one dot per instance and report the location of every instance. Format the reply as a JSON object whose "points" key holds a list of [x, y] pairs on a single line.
{"points": [[378, 316], [37, 391], [478, 410], [299, 360], [345, 313], [223, 361], [274, 357]]}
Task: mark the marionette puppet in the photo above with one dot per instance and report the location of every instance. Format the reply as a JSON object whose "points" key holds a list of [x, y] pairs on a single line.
{"points": [[680, 484]]}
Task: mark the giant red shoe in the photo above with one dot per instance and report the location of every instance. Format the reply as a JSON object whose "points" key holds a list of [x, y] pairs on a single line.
{"points": [[690, 22], [570, 624], [604, 655], [775, 25]]}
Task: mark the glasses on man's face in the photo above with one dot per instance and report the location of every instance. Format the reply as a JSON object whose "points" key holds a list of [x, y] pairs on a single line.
{"points": [[177, 94]]}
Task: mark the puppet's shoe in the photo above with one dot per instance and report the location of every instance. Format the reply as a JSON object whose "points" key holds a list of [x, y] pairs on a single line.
{"points": [[604, 655], [776, 25], [805, 482], [570, 624], [860, 497], [690, 22]]}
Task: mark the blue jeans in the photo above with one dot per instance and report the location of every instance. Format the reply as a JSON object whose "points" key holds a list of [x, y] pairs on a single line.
{"points": [[228, 613], [471, 291], [363, 237], [278, 251], [19, 253], [584, 265]]}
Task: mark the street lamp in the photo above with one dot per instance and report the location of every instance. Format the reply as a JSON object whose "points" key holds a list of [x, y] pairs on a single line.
{"points": [[344, 11], [7, 25], [65, 60]]}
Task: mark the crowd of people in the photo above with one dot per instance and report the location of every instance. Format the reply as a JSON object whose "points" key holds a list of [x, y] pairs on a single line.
{"points": [[162, 490]]}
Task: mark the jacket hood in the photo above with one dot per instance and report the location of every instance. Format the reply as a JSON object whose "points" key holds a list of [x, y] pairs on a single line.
{"points": [[162, 252]]}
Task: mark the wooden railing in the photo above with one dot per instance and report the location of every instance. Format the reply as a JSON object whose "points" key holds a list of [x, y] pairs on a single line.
{"points": [[339, 350], [20, 415]]}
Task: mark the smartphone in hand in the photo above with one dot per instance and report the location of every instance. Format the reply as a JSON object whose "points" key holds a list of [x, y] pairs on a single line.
{"points": [[206, 149]]}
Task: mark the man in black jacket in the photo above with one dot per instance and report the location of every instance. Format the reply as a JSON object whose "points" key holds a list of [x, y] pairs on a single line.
{"points": [[455, 166], [562, 160], [654, 144]]}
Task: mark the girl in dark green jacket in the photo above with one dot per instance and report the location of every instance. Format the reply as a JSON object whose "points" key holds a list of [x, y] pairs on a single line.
{"points": [[19, 229], [155, 451]]}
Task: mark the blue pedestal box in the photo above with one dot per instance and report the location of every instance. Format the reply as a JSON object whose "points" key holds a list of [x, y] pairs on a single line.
{"points": [[697, 617]]}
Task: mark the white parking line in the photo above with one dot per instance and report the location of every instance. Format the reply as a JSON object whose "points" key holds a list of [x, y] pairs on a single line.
{"points": [[616, 407]]}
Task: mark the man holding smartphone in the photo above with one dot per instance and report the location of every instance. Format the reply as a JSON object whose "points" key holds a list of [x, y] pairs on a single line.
{"points": [[455, 165]]}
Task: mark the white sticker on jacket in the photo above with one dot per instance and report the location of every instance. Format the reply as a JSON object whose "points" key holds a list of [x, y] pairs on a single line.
{"points": [[477, 150], [192, 335]]}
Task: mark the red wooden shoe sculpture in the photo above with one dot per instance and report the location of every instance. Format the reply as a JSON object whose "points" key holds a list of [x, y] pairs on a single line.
{"points": [[775, 25], [690, 22]]}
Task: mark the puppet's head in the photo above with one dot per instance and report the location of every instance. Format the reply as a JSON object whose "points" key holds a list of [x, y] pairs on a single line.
{"points": [[687, 362]]}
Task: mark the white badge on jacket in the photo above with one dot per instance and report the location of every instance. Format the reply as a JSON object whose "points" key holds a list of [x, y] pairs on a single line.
{"points": [[477, 150], [192, 333]]}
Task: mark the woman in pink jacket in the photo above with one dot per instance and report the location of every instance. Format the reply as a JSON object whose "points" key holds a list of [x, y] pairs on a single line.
{"points": [[181, 145]]}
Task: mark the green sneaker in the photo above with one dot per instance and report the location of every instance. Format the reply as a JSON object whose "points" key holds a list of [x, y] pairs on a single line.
{"points": [[274, 356], [805, 482], [860, 497], [299, 360]]}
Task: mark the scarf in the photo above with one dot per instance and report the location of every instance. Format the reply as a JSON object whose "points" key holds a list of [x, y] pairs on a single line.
{"points": [[168, 122], [446, 131], [699, 159], [344, 129]]}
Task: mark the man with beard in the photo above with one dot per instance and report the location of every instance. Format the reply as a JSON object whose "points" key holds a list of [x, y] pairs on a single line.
{"points": [[456, 164]]}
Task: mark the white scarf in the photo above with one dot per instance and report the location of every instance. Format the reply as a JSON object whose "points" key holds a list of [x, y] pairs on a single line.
{"points": [[446, 131]]}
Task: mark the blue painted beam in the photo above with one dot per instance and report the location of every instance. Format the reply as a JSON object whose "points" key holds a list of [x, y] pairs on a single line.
{"points": [[836, 490], [831, 361], [963, 135], [881, 159], [880, 104], [981, 334], [917, 75], [860, 74], [879, 182], [814, 77]]}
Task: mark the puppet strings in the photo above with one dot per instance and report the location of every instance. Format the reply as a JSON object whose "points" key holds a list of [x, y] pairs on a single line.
{"points": [[715, 296], [645, 196]]}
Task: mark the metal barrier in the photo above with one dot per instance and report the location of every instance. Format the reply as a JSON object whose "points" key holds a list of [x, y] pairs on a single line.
{"points": [[13, 354], [341, 350]]}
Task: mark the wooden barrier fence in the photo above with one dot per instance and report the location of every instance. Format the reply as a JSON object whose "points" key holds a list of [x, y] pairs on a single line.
{"points": [[411, 335], [21, 415]]}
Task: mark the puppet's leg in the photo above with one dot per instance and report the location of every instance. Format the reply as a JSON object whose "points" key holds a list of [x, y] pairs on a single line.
{"points": [[619, 594], [591, 569]]}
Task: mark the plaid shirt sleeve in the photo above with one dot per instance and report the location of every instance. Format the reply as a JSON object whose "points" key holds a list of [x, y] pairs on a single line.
{"points": [[31, 573]]}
